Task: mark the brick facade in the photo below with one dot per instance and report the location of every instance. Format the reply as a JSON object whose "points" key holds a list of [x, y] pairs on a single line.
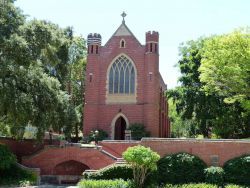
{"points": [[147, 106]]}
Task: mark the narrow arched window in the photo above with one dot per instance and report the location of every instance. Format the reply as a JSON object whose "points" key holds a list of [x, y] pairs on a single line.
{"points": [[122, 76], [122, 43]]}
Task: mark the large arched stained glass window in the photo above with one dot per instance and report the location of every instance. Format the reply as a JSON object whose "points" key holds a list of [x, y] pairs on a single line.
{"points": [[122, 76]]}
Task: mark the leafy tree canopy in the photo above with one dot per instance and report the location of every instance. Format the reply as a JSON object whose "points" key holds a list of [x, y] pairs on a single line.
{"points": [[34, 73], [225, 67], [200, 111]]}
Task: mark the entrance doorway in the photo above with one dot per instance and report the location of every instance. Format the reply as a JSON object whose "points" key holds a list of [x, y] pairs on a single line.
{"points": [[120, 127]]}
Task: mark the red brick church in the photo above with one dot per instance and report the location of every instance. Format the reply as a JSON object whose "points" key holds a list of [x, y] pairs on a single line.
{"points": [[124, 85]]}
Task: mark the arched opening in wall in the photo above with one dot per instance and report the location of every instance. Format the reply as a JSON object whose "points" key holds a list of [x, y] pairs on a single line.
{"points": [[120, 127], [122, 43], [71, 167]]}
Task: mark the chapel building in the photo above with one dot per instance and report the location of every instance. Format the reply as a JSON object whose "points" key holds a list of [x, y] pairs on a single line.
{"points": [[124, 85]]}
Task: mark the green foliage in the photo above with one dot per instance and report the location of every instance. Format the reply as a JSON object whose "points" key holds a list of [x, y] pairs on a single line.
{"points": [[142, 160], [124, 172], [180, 127], [97, 135], [197, 110], [235, 186], [238, 170], [138, 131], [214, 175], [200, 185], [191, 102], [103, 184], [17, 176], [10, 173], [4, 129], [225, 66], [181, 168], [34, 72], [7, 159]]}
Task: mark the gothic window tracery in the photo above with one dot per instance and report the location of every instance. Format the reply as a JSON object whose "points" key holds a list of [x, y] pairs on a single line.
{"points": [[122, 76]]}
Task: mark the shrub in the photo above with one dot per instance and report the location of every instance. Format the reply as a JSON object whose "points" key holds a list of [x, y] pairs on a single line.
{"points": [[142, 160], [101, 135], [114, 172], [17, 176], [237, 170], [200, 185], [7, 159], [214, 175], [138, 131], [181, 168], [234, 186], [104, 184]]}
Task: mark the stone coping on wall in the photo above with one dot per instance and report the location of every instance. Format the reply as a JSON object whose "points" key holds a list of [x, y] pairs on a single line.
{"points": [[121, 141], [47, 147], [195, 140]]}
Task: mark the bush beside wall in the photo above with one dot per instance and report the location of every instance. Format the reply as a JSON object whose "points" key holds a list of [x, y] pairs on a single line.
{"points": [[104, 184], [181, 168], [237, 170], [114, 172], [201, 185], [214, 175]]}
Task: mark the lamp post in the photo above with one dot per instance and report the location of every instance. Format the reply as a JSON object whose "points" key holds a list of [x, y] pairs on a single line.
{"points": [[96, 134]]}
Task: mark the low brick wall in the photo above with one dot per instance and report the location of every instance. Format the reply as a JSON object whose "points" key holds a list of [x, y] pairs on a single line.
{"points": [[25, 147], [52, 160], [51, 157], [116, 147], [213, 152]]}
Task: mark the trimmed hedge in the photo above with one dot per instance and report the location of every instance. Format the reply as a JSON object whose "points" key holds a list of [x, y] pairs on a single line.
{"points": [[237, 170], [214, 175], [124, 172], [200, 185], [104, 184], [181, 168]]}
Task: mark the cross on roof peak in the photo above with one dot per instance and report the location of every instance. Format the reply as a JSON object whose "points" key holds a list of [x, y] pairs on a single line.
{"points": [[123, 16]]}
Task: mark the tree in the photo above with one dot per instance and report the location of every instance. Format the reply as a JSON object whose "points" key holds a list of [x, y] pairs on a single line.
{"points": [[34, 73], [76, 77], [191, 102], [225, 67], [204, 111], [142, 160], [180, 127]]}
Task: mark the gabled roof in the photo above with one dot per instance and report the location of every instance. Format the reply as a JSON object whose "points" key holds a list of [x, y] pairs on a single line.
{"points": [[123, 30]]}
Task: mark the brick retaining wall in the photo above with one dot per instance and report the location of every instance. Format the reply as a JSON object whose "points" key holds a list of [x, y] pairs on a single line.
{"points": [[213, 152]]}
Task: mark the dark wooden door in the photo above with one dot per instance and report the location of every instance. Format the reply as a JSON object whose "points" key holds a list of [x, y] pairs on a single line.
{"points": [[120, 127]]}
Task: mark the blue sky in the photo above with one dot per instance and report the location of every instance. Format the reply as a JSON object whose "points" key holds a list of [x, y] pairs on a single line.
{"points": [[176, 21]]}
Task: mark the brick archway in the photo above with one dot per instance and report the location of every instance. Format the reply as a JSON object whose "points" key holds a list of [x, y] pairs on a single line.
{"points": [[70, 167], [113, 123], [51, 159]]}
